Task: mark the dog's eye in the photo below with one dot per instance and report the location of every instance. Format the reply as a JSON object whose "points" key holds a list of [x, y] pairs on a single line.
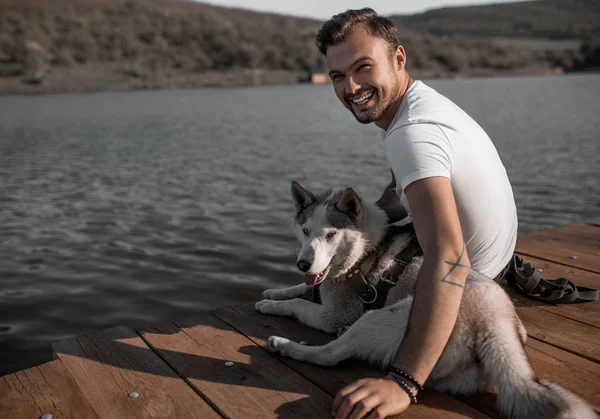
{"points": [[330, 234], [305, 231]]}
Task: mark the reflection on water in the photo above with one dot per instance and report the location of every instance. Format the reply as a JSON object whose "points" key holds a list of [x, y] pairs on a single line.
{"points": [[135, 208]]}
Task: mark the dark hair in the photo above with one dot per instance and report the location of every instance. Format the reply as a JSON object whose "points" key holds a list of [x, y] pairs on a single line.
{"points": [[339, 27]]}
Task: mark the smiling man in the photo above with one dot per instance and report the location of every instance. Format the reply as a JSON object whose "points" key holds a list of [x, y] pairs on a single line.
{"points": [[451, 181]]}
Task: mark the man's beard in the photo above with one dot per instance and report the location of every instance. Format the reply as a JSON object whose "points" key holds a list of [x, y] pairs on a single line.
{"points": [[383, 102]]}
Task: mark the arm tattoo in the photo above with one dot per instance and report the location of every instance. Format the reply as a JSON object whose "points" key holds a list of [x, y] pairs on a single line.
{"points": [[454, 266]]}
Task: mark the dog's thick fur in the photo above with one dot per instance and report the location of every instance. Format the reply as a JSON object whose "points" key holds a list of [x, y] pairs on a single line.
{"points": [[484, 351]]}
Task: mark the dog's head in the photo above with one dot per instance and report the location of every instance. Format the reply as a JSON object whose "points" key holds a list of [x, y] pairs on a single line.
{"points": [[331, 229]]}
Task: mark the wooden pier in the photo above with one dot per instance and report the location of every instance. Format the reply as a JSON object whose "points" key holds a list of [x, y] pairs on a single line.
{"points": [[216, 364]]}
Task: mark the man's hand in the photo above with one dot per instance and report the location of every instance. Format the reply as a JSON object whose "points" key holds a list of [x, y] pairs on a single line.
{"points": [[370, 398]]}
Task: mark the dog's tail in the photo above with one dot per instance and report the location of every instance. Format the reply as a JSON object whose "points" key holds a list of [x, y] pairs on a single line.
{"points": [[521, 395], [541, 399]]}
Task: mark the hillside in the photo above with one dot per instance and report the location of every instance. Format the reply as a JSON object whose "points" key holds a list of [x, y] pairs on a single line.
{"points": [[552, 19], [86, 45]]}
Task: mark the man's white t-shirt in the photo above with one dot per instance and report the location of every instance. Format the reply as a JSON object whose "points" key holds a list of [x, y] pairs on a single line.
{"points": [[432, 136]]}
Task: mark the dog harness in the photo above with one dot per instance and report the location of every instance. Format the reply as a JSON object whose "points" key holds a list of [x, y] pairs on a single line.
{"points": [[374, 297]]}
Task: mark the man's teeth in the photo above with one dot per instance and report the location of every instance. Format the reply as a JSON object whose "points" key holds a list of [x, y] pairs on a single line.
{"points": [[362, 99]]}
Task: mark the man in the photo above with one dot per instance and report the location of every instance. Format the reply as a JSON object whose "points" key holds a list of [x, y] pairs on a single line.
{"points": [[450, 179]]}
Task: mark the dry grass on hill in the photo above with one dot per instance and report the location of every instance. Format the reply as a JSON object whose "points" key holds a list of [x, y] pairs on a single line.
{"points": [[46, 45]]}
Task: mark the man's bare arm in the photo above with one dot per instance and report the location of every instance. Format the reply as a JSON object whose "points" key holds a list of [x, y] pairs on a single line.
{"points": [[440, 282], [390, 203]]}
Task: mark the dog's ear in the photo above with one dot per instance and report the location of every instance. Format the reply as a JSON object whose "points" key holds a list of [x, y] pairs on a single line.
{"points": [[351, 205], [302, 198]]}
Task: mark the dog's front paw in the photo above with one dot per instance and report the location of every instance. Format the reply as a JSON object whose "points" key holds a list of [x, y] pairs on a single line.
{"points": [[276, 343], [288, 348], [269, 307], [273, 294]]}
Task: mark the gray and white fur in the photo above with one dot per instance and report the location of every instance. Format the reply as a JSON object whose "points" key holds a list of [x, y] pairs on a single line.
{"points": [[485, 350]]}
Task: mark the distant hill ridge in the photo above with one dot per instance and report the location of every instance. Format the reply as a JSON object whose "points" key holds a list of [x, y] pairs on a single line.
{"points": [[80, 45], [557, 19]]}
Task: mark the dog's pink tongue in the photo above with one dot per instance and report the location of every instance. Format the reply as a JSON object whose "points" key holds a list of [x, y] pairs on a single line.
{"points": [[311, 280]]}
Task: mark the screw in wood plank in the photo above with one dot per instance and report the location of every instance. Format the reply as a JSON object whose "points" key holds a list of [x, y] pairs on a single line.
{"points": [[46, 416], [134, 394], [229, 364], [572, 257]]}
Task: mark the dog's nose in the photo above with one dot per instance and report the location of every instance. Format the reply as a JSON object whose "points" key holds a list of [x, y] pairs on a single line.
{"points": [[303, 265]]}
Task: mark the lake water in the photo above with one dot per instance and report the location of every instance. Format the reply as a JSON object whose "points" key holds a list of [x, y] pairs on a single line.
{"points": [[136, 208]]}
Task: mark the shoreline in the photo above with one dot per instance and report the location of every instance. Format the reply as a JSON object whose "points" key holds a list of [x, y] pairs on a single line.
{"points": [[101, 78]]}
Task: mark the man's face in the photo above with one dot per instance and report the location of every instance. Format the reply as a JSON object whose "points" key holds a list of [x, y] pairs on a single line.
{"points": [[365, 76]]}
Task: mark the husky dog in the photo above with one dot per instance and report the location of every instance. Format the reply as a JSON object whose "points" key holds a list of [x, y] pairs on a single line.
{"points": [[339, 231]]}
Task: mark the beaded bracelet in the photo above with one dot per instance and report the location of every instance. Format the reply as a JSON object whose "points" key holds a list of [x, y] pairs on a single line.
{"points": [[401, 373], [405, 387]]}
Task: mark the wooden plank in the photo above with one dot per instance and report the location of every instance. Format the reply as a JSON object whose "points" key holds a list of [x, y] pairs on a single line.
{"points": [[48, 388], [256, 386], [259, 327], [588, 313], [579, 235], [576, 374], [556, 330], [111, 364], [576, 245]]}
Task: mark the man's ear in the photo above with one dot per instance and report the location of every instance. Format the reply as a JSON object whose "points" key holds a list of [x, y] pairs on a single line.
{"points": [[302, 198], [351, 205], [400, 58]]}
